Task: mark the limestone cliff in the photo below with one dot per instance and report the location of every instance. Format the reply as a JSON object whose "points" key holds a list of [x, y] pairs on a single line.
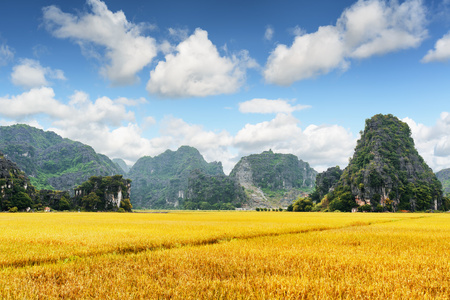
{"points": [[103, 193], [387, 170], [162, 181], [50, 161], [273, 179], [15, 187]]}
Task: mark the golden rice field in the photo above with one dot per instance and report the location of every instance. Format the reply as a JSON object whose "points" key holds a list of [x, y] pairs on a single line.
{"points": [[224, 255]]}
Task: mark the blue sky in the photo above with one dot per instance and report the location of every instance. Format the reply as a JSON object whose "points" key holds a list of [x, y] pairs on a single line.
{"points": [[231, 78]]}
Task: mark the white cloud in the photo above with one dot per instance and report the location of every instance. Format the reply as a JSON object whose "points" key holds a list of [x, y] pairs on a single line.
{"points": [[310, 55], [321, 146], [198, 70], [441, 51], [104, 124], [107, 126], [126, 49], [179, 34], [214, 146], [30, 74], [367, 28], [266, 106], [268, 35], [6, 54], [433, 142], [32, 103], [376, 27]]}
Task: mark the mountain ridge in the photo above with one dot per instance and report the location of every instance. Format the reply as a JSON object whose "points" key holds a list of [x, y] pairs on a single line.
{"points": [[50, 161]]}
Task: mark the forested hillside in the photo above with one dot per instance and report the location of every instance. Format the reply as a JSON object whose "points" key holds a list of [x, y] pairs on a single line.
{"points": [[162, 181], [50, 161]]}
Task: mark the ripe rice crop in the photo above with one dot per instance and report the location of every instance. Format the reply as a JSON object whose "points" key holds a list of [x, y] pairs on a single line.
{"points": [[225, 255]]}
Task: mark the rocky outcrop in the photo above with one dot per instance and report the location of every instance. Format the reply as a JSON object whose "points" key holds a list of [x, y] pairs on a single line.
{"points": [[50, 161], [387, 170], [110, 190], [15, 187], [162, 181], [273, 179]]}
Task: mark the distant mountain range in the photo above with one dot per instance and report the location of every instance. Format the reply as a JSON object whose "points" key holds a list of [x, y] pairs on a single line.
{"points": [[444, 178], [182, 179], [50, 161]]}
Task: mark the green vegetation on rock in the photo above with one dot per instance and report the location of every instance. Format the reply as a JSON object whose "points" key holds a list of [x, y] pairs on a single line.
{"points": [[50, 161], [273, 179], [444, 178], [387, 170], [217, 192], [104, 193], [161, 182]]}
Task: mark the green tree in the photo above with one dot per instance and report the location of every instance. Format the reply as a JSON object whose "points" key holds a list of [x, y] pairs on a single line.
{"points": [[126, 204], [21, 200], [302, 204], [90, 202], [64, 204]]}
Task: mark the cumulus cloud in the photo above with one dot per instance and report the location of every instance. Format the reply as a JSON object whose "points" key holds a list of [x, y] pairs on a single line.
{"points": [[266, 106], [376, 27], [441, 51], [6, 54], [214, 146], [30, 74], [367, 28], [196, 69], [284, 135], [127, 51], [433, 142], [310, 55], [31, 103], [110, 128], [105, 124]]}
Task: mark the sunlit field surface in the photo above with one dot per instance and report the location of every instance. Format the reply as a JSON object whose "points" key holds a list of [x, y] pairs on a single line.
{"points": [[224, 255]]}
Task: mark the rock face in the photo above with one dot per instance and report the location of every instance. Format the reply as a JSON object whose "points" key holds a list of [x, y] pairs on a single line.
{"points": [[273, 179], [162, 181], [387, 170], [111, 191], [50, 161], [15, 187], [444, 178]]}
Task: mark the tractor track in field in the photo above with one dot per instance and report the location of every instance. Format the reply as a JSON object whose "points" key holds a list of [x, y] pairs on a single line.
{"points": [[136, 249]]}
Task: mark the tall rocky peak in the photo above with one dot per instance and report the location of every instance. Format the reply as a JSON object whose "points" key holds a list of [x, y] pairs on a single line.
{"points": [[51, 161], [387, 170], [273, 179], [162, 181], [444, 178]]}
